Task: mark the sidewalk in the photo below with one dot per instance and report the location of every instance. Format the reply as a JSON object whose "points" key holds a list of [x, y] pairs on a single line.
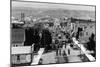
{"points": [[36, 58]]}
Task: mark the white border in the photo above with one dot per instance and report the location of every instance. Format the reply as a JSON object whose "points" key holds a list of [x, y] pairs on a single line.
{"points": [[5, 32]]}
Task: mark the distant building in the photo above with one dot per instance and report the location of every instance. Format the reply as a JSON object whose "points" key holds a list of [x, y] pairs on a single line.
{"points": [[88, 27], [22, 17], [17, 37]]}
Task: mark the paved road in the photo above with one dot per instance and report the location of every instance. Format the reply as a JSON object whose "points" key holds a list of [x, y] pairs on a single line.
{"points": [[73, 57], [51, 57]]}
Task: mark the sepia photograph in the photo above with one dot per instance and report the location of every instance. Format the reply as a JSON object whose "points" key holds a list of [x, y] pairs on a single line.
{"points": [[45, 33]]}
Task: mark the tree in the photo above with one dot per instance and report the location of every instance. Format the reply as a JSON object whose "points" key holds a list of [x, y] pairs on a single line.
{"points": [[91, 45], [31, 36], [46, 39], [78, 32]]}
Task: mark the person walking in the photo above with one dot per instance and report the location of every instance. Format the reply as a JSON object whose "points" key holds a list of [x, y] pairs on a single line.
{"points": [[68, 49]]}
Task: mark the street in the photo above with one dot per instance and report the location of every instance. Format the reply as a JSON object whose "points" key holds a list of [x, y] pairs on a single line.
{"points": [[51, 57]]}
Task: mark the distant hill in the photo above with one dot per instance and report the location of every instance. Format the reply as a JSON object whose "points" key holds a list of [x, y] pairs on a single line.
{"points": [[36, 12]]}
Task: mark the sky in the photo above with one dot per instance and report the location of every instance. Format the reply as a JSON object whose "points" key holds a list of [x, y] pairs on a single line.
{"points": [[51, 6]]}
